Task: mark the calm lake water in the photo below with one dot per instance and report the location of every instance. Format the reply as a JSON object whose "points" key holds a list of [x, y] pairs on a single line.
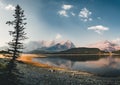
{"points": [[108, 66]]}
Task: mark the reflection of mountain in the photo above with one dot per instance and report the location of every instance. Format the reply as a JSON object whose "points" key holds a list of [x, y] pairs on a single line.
{"points": [[49, 46], [105, 66], [59, 62], [105, 45], [106, 62]]}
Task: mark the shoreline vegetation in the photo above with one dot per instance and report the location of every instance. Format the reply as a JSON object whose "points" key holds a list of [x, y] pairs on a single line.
{"points": [[77, 51]]}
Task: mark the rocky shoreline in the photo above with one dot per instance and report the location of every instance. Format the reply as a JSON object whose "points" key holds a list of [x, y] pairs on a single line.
{"points": [[59, 76], [32, 73]]}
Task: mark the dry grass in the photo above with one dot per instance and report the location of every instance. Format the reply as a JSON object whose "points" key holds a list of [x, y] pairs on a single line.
{"points": [[27, 58]]}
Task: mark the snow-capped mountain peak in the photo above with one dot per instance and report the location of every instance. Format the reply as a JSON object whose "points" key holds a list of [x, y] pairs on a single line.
{"points": [[105, 45], [68, 43], [63, 42], [49, 45]]}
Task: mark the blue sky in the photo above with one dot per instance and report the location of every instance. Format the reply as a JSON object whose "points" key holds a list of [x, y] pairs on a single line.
{"points": [[81, 21]]}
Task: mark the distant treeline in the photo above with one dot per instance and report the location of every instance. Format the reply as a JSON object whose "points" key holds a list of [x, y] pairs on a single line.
{"points": [[117, 52], [83, 51], [72, 51], [3, 52]]}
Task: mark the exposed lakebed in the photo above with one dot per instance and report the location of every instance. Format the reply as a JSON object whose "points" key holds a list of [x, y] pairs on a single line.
{"points": [[108, 66]]}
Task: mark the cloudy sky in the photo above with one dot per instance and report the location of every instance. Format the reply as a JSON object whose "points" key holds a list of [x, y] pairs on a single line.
{"points": [[81, 21]]}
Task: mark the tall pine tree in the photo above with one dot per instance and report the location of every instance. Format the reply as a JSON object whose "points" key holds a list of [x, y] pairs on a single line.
{"points": [[18, 34]]}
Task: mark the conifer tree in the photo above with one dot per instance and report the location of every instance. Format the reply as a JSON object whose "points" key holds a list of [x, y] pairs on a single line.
{"points": [[18, 34]]}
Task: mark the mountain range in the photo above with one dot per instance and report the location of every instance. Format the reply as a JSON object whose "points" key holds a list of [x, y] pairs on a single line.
{"points": [[56, 46], [106, 45], [49, 46]]}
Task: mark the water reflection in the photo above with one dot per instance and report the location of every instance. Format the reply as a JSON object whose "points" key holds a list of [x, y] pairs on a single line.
{"points": [[105, 66]]}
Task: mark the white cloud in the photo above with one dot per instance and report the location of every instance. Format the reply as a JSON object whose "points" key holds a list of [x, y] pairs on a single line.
{"points": [[63, 13], [72, 13], [6, 7], [90, 19], [10, 7], [58, 36], [99, 28], [67, 7], [85, 14]]}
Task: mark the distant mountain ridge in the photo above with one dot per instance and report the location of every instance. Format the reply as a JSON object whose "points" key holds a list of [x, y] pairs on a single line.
{"points": [[106, 45], [56, 46], [49, 46], [61, 46]]}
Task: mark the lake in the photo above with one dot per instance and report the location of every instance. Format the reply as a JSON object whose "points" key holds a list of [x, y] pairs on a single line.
{"points": [[108, 66]]}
